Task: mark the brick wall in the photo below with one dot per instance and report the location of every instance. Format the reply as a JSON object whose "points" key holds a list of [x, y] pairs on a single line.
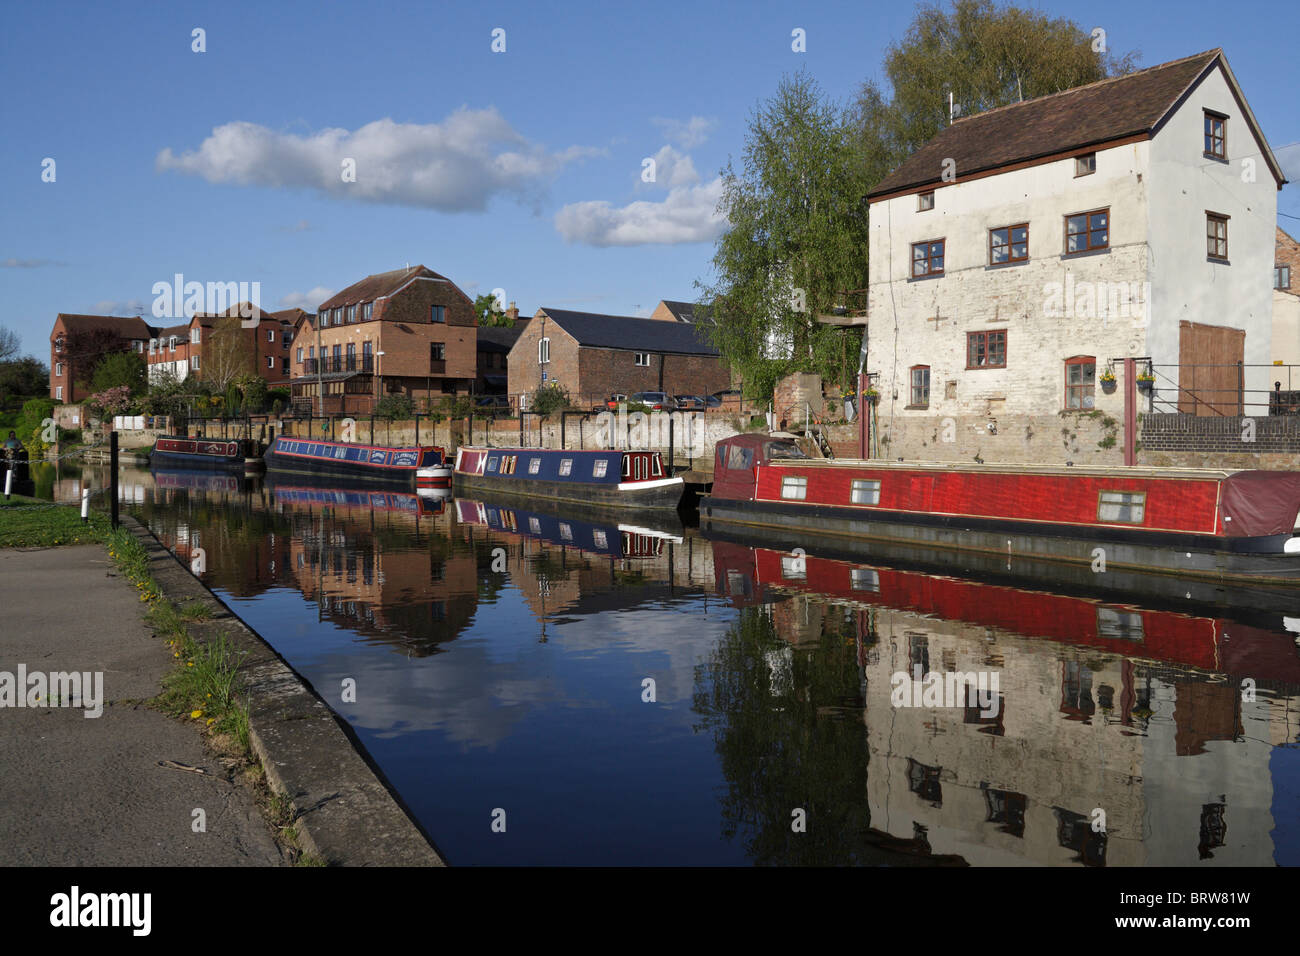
{"points": [[792, 392], [1213, 442], [1287, 253]]}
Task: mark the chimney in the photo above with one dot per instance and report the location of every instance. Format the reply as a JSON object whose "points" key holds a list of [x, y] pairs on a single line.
{"points": [[512, 313]]}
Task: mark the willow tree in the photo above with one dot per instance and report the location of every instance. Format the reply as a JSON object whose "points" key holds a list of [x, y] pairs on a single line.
{"points": [[795, 240]]}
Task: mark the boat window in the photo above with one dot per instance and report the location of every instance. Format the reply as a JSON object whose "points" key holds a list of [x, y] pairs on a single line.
{"points": [[627, 466], [492, 464], [794, 486], [599, 538], [599, 468], [1126, 506], [784, 449], [656, 467], [535, 525], [740, 457], [864, 579], [865, 492], [794, 566], [566, 531], [534, 466], [1119, 624], [566, 467]]}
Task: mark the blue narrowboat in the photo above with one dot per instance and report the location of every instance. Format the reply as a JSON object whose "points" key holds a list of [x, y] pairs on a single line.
{"points": [[422, 467], [606, 478], [221, 454]]}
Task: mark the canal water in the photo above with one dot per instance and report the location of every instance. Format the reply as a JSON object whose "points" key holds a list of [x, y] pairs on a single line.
{"points": [[543, 687]]}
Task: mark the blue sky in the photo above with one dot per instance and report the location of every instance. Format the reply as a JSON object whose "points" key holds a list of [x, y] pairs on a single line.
{"points": [[519, 170]]}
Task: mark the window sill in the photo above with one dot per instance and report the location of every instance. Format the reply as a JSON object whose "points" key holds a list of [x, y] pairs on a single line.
{"points": [[984, 368], [1217, 261], [932, 275], [1003, 265], [1103, 251], [1218, 159], [917, 407]]}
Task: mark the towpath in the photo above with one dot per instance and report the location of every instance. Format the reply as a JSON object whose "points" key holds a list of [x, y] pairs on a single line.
{"points": [[90, 791]]}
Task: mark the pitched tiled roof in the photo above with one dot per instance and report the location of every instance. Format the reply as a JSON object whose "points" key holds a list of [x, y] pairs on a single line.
{"points": [[689, 311], [379, 285], [1100, 112], [500, 338], [128, 328], [623, 332]]}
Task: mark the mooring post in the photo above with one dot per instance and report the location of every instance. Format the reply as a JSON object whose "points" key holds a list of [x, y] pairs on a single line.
{"points": [[672, 458], [1130, 411], [112, 476]]}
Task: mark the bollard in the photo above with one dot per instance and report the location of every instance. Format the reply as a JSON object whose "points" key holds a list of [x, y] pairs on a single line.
{"points": [[85, 505], [9, 480]]}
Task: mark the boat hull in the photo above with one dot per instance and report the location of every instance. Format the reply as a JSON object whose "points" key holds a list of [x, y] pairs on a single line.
{"points": [[1252, 560], [663, 495], [175, 452], [373, 465]]}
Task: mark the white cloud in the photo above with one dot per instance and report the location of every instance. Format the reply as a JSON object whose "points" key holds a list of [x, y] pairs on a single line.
{"points": [[688, 134], [687, 214], [115, 307], [672, 169], [306, 300], [453, 166], [29, 263]]}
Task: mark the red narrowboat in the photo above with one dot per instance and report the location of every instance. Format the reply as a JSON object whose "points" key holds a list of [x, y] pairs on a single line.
{"points": [[424, 466], [1226, 526]]}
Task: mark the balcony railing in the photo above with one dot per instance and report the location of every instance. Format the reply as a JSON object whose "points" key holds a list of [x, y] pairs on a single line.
{"points": [[342, 363]]}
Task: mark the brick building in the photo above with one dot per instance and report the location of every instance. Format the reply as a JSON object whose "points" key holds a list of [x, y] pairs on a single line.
{"points": [[189, 348], [1286, 309], [1023, 249], [592, 356], [104, 333], [669, 310], [410, 331], [494, 345]]}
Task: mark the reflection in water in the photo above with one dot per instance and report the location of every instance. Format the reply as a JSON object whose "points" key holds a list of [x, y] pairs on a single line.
{"points": [[637, 693]]}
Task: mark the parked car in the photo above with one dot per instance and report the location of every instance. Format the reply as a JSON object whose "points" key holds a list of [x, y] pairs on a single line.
{"points": [[658, 401], [691, 403]]}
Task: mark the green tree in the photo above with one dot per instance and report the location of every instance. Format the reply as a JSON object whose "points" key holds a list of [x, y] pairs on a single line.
{"points": [[548, 399], [485, 307], [23, 377], [121, 369], [254, 392], [795, 241], [395, 406], [986, 56]]}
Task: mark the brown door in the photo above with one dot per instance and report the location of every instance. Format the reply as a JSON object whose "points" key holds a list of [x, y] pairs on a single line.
{"points": [[1210, 368]]}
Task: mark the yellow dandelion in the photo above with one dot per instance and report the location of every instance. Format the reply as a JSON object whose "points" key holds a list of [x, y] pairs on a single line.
{"points": [[211, 721], [196, 714], [189, 663], [177, 654]]}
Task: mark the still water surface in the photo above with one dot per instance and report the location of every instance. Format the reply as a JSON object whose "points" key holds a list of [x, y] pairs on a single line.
{"points": [[632, 692]]}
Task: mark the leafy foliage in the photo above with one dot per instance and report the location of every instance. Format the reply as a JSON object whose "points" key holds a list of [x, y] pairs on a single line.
{"points": [[485, 307], [395, 406], [548, 399], [121, 369]]}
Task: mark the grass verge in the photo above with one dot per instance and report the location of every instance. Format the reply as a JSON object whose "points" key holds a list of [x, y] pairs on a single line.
{"points": [[204, 686], [32, 523]]}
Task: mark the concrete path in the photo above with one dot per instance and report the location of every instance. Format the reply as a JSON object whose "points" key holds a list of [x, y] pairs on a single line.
{"points": [[78, 791]]}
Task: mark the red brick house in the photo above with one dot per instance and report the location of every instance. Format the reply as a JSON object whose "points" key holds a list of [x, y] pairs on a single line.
{"points": [[410, 331], [592, 356], [105, 332], [186, 349]]}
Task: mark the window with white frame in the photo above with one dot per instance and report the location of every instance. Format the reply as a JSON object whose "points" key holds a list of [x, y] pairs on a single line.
{"points": [[794, 487], [543, 351], [599, 468], [300, 353], [534, 466], [566, 467], [643, 358], [366, 310], [270, 335], [194, 335], [58, 369], [172, 343], [865, 492], [58, 392], [194, 362], [270, 361], [352, 313]]}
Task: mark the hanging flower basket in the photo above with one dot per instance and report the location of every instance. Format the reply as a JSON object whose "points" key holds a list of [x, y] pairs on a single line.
{"points": [[873, 396], [1107, 380], [1146, 381]]}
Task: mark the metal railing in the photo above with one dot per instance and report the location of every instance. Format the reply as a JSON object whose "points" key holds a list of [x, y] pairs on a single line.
{"points": [[1219, 390], [342, 363]]}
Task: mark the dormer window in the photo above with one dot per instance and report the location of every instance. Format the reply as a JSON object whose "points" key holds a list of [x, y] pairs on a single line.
{"points": [[352, 313], [1216, 135], [1085, 165], [437, 314], [366, 310], [925, 200], [172, 343]]}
